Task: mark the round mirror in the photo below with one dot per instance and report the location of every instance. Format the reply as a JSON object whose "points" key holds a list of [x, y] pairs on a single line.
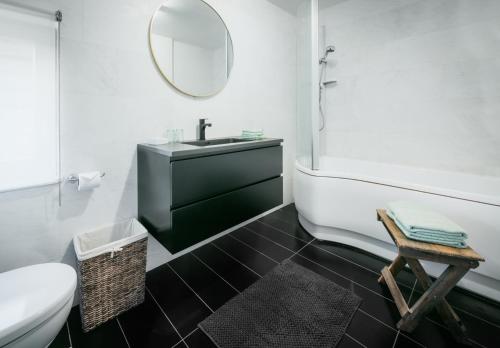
{"points": [[191, 46]]}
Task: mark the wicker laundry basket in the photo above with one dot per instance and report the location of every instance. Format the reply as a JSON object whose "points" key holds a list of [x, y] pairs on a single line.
{"points": [[112, 271]]}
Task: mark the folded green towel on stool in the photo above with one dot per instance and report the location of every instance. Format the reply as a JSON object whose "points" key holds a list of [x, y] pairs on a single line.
{"points": [[422, 224], [414, 217], [435, 237]]}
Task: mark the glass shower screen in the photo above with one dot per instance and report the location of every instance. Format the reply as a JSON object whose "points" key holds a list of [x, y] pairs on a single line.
{"points": [[307, 84]]}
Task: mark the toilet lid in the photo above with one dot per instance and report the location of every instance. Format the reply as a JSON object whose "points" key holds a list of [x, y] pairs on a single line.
{"points": [[32, 294]]}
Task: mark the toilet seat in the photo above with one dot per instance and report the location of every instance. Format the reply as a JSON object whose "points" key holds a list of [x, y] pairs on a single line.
{"points": [[30, 295]]}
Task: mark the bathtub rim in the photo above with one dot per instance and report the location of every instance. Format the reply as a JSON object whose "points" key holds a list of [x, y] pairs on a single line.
{"points": [[428, 189]]}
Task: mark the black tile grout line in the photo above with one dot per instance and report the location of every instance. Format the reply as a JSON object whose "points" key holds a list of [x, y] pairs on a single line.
{"points": [[354, 263], [348, 260], [190, 288], [327, 251], [435, 322], [396, 339], [448, 329], [175, 345], [355, 340], [217, 274], [390, 327], [123, 332], [298, 251], [477, 317], [399, 330], [318, 247], [165, 314], [409, 301], [244, 243], [69, 335], [328, 269], [235, 259], [346, 278], [293, 252], [251, 247], [279, 230], [467, 312], [477, 343], [266, 238], [189, 334], [183, 340]]}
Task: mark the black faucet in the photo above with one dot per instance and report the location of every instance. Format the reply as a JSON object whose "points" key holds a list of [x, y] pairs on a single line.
{"points": [[201, 128]]}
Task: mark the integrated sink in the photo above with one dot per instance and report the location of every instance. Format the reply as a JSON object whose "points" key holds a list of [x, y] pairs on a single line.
{"points": [[216, 141]]}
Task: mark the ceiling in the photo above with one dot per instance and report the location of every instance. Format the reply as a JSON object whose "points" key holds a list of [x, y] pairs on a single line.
{"points": [[290, 6]]}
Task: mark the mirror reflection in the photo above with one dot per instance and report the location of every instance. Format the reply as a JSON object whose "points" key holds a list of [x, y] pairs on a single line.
{"points": [[191, 46]]}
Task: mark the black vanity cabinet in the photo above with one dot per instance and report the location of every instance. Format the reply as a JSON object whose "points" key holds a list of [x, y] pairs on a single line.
{"points": [[186, 194]]}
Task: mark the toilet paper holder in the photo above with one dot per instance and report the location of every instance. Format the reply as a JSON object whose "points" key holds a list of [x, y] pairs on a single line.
{"points": [[74, 178]]}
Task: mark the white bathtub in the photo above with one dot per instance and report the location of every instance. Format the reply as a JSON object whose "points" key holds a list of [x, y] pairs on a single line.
{"points": [[338, 202]]}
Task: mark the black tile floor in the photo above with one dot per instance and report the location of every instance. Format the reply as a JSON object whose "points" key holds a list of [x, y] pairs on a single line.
{"points": [[183, 292]]}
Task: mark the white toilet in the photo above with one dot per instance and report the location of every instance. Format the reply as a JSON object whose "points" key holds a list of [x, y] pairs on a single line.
{"points": [[35, 302]]}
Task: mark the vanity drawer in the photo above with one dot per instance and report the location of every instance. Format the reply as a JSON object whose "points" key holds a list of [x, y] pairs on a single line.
{"points": [[196, 222], [204, 177]]}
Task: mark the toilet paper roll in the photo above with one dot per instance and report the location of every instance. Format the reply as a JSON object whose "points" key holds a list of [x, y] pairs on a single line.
{"points": [[89, 181]]}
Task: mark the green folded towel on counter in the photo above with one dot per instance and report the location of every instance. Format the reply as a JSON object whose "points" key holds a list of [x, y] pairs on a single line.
{"points": [[422, 224], [252, 134]]}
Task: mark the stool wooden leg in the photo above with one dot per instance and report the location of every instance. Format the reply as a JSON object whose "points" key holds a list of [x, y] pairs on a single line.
{"points": [[449, 316], [432, 296], [396, 266]]}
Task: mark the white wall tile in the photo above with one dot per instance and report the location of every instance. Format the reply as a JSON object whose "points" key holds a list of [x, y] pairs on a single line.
{"points": [[418, 83]]}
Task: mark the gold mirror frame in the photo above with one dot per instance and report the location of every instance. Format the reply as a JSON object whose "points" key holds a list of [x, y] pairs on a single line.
{"points": [[167, 78]]}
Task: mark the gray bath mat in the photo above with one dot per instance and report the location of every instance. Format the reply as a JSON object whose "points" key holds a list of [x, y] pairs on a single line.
{"points": [[291, 306]]}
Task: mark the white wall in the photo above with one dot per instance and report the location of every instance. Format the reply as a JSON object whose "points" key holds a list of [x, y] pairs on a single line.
{"points": [[419, 83], [113, 98]]}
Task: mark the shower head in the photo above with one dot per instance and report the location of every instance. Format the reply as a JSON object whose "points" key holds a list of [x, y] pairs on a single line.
{"points": [[328, 50]]}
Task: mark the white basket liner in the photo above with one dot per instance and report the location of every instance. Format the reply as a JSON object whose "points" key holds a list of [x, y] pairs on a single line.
{"points": [[108, 239]]}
